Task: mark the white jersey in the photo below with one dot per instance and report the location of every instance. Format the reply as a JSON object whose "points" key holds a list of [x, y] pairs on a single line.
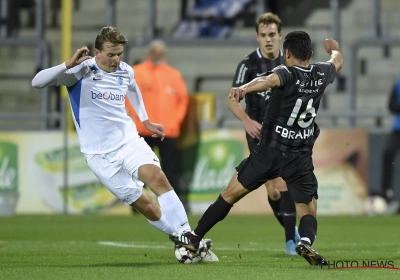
{"points": [[97, 101]]}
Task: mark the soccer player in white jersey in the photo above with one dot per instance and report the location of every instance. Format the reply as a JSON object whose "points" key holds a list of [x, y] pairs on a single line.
{"points": [[108, 138]]}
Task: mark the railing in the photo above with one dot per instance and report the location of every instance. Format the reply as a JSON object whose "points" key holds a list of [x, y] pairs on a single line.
{"points": [[351, 90], [42, 61], [44, 52]]}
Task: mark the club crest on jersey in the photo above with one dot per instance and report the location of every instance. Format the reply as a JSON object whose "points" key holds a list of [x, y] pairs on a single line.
{"points": [[120, 81]]}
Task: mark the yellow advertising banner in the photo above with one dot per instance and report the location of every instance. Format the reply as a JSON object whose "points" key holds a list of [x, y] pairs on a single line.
{"points": [[32, 176], [37, 162], [340, 159]]}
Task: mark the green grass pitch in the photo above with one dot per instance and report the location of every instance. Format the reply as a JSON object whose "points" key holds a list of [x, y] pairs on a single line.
{"points": [[127, 247]]}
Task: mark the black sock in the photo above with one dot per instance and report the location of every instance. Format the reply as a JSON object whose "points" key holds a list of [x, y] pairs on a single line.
{"points": [[288, 210], [308, 227], [276, 207], [216, 212]]}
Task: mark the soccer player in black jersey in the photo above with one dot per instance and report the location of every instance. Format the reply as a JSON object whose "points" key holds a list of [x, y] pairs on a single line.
{"points": [[287, 136], [258, 63]]}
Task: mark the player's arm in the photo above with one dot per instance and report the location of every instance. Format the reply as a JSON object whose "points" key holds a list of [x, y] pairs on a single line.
{"points": [[237, 110], [136, 100], [59, 75], [258, 84], [251, 126], [241, 77], [332, 47]]}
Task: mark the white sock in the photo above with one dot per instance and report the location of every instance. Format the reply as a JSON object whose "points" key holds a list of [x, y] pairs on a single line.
{"points": [[174, 211], [306, 239], [163, 225]]}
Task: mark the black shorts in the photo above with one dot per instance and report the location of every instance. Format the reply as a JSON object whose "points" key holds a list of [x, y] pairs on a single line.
{"points": [[296, 169], [251, 142]]}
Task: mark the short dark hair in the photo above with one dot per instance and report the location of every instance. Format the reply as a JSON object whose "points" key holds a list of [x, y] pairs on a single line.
{"points": [[109, 34], [299, 44], [267, 19]]}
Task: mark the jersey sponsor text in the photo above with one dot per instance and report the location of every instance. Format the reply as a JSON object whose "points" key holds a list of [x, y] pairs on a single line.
{"points": [[107, 96], [291, 134], [312, 83]]}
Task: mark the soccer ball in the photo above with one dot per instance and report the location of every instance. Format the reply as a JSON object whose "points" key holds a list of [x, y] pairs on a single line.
{"points": [[375, 205], [185, 256]]}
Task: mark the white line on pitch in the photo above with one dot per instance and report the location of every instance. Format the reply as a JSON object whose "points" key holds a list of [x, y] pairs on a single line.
{"points": [[133, 245]]}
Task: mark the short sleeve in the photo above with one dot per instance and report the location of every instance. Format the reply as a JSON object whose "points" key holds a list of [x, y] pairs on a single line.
{"points": [[329, 69], [283, 73]]}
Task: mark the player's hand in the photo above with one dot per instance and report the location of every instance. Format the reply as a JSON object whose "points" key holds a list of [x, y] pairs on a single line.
{"points": [[252, 127], [237, 94], [331, 45], [79, 56], [157, 129]]}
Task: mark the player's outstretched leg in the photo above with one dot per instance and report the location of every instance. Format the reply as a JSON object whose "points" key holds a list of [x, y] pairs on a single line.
{"points": [[149, 208], [169, 202]]}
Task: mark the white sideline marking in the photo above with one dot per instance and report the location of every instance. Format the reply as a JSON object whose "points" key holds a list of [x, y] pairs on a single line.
{"points": [[133, 245]]}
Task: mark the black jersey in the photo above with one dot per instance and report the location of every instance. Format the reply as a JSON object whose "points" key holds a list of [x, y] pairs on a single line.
{"points": [[252, 66], [289, 123]]}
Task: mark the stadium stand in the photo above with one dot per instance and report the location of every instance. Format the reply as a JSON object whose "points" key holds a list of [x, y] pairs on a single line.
{"points": [[196, 60]]}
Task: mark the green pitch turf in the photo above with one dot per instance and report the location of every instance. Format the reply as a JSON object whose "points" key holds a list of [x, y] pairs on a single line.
{"points": [[249, 247]]}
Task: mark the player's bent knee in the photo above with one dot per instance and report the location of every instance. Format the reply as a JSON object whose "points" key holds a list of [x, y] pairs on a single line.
{"points": [[280, 184], [273, 192], [157, 182], [275, 186]]}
